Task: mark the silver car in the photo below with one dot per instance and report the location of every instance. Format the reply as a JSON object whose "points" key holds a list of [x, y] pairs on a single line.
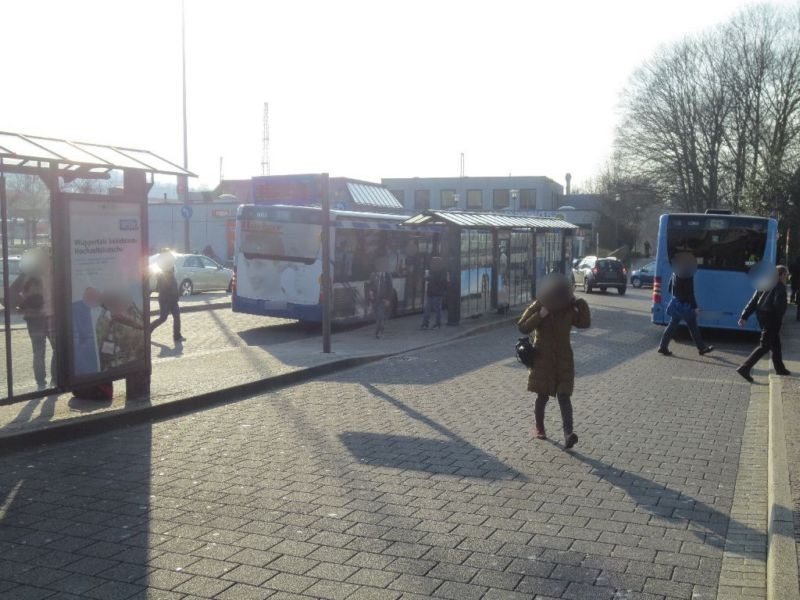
{"points": [[194, 273]]}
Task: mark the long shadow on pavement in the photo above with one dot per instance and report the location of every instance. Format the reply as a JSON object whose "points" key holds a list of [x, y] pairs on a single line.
{"points": [[676, 508], [75, 518], [453, 456]]}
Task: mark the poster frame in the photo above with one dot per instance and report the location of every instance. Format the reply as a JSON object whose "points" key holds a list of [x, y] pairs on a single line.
{"points": [[134, 367]]}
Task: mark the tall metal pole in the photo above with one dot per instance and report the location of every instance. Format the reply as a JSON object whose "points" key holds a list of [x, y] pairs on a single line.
{"points": [[326, 264], [183, 181], [183, 69]]}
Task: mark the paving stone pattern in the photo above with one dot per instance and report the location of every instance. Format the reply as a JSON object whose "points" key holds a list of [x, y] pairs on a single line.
{"points": [[744, 572], [410, 478], [791, 414]]}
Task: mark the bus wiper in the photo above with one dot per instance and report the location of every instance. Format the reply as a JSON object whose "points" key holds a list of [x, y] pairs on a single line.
{"points": [[298, 259]]}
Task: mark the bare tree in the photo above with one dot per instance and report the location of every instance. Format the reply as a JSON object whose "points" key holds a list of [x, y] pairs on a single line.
{"points": [[714, 120]]}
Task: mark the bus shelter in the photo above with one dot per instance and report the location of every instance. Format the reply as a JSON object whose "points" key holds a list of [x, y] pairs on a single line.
{"points": [[494, 260], [74, 297]]}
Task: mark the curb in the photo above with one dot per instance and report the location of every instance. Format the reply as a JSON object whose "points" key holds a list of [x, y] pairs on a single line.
{"points": [[78, 427], [782, 577]]}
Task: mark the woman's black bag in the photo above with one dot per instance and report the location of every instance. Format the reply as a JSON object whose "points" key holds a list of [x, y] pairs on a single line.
{"points": [[525, 351]]}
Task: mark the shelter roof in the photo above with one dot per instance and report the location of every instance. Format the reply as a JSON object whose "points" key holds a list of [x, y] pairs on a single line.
{"points": [[487, 220], [22, 153], [372, 195]]}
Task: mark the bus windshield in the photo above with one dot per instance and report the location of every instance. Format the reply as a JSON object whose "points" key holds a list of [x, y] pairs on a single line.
{"points": [[718, 243]]}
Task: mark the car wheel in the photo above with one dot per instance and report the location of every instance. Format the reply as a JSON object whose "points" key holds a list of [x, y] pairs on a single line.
{"points": [[587, 289], [603, 289], [187, 287], [636, 282], [622, 290]]}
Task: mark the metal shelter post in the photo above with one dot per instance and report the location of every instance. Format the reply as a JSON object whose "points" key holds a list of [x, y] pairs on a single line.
{"points": [[135, 186], [326, 264], [452, 245], [5, 283]]}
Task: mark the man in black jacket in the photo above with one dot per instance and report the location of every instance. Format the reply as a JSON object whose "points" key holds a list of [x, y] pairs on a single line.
{"points": [[436, 290], [168, 296], [769, 307]]}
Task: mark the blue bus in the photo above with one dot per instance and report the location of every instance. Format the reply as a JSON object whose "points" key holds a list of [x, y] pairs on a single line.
{"points": [[726, 246]]}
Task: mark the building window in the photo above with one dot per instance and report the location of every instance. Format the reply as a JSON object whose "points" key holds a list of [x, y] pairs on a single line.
{"points": [[422, 199], [501, 199], [474, 199], [527, 199], [447, 199], [400, 195]]}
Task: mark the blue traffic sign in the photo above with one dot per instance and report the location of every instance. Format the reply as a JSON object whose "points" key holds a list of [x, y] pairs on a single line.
{"points": [[187, 211]]}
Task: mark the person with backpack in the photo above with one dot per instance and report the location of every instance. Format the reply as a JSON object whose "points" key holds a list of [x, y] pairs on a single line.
{"points": [[683, 306], [436, 288], [769, 307], [550, 319], [168, 296], [380, 292]]}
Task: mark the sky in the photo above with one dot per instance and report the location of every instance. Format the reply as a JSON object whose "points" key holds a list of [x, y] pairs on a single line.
{"points": [[363, 89]]}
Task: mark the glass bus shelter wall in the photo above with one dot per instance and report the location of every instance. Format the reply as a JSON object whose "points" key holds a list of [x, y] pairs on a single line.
{"points": [[28, 301]]}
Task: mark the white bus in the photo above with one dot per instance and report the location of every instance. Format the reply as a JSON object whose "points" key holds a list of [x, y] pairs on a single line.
{"points": [[278, 261]]}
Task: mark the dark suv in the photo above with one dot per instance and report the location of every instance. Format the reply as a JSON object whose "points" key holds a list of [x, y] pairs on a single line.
{"points": [[603, 273]]}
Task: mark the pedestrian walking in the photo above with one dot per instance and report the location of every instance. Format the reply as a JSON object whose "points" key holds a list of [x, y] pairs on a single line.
{"points": [[647, 249], [550, 319], [30, 295], [436, 288], [380, 293], [168, 296], [769, 307], [683, 306]]}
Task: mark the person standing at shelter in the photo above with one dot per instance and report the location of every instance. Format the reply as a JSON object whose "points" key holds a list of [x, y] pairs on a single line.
{"points": [[683, 306], [551, 318], [380, 293], [435, 291], [769, 307], [168, 296], [30, 294]]}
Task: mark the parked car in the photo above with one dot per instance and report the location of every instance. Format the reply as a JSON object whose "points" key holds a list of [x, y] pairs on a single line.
{"points": [[13, 273], [194, 273], [643, 276], [603, 273]]}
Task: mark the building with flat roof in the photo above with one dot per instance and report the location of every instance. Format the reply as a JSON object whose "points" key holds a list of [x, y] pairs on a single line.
{"points": [[517, 194]]}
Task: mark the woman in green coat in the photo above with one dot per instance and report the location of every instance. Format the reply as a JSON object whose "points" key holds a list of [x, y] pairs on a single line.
{"points": [[550, 318]]}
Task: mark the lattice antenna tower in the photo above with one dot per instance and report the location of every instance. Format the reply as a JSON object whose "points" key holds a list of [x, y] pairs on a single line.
{"points": [[265, 142]]}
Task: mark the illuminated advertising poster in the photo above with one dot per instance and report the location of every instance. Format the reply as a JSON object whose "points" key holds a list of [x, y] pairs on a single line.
{"points": [[105, 262]]}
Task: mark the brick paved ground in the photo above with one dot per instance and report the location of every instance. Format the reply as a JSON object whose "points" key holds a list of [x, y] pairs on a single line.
{"points": [[414, 477], [206, 330], [791, 413]]}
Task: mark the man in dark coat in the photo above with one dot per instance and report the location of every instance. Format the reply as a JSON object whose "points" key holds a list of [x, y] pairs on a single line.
{"points": [[380, 292], [168, 295], [436, 290], [769, 307]]}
